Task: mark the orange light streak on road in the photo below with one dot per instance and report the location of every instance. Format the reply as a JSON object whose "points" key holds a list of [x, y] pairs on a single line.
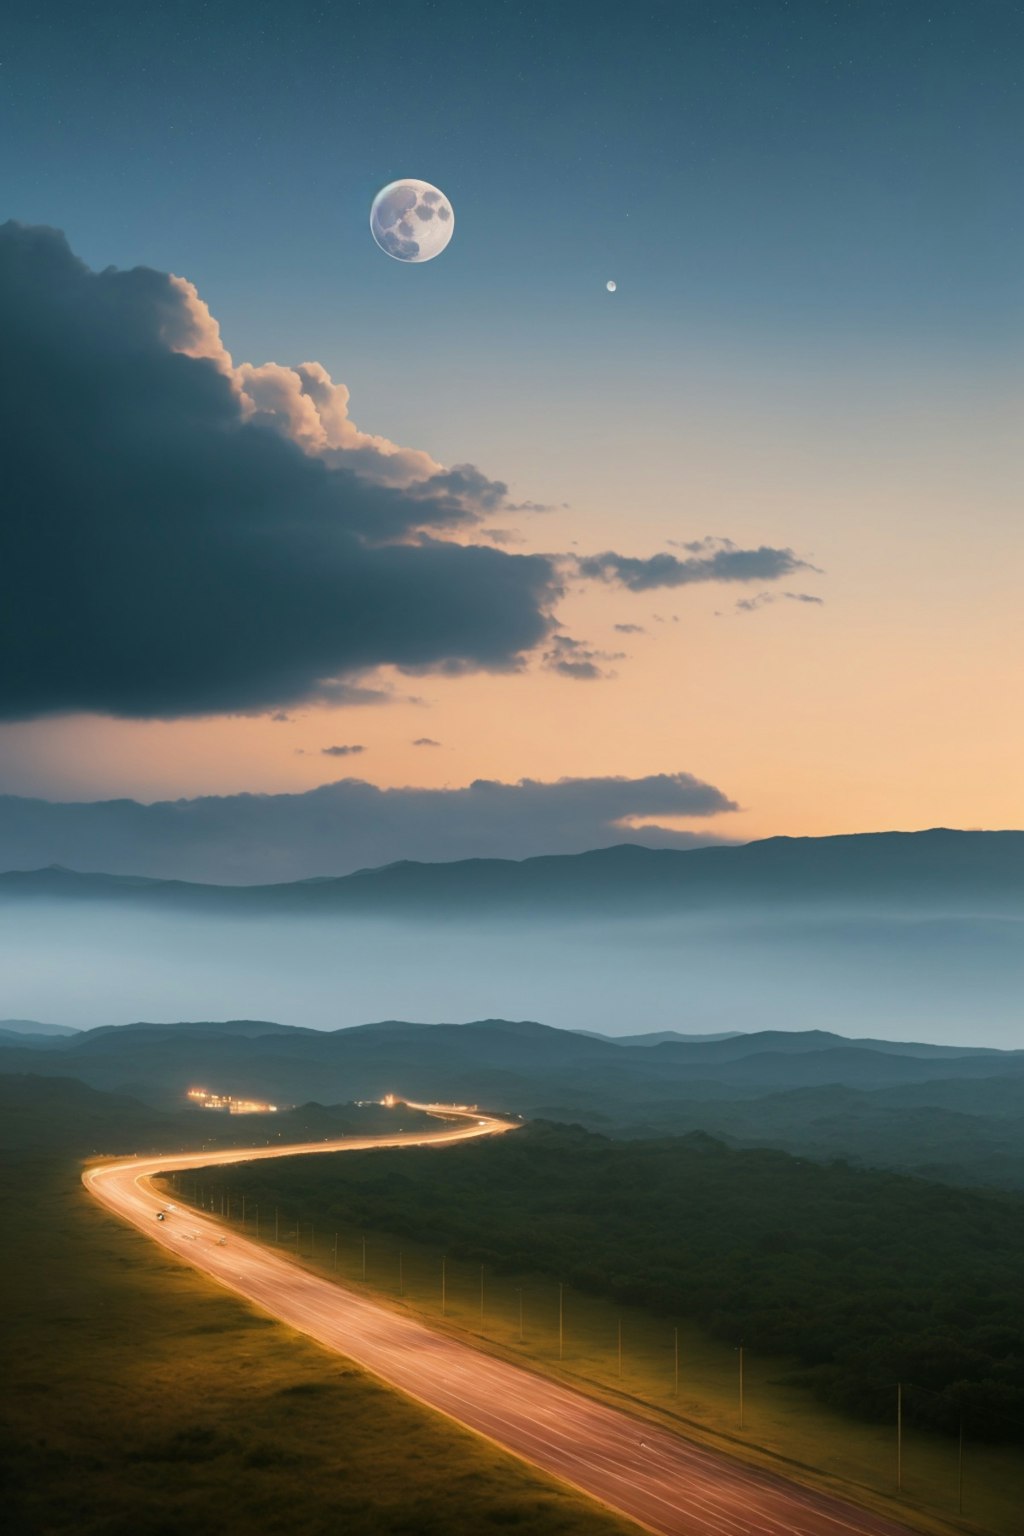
{"points": [[673, 1486]]}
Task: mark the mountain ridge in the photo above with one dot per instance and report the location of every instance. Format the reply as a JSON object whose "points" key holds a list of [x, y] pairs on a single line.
{"points": [[939, 870]]}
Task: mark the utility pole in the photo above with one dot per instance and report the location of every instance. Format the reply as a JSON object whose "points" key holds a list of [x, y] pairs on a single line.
{"points": [[444, 1287], [364, 1255], [899, 1435], [277, 1225], [620, 1348], [960, 1471], [335, 1250], [741, 1386], [519, 1290], [243, 1213], [561, 1319], [481, 1295], [401, 1276], [675, 1344]]}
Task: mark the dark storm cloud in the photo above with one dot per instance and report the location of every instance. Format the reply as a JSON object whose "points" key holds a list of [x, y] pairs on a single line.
{"points": [[724, 563], [342, 751], [349, 825], [163, 556]]}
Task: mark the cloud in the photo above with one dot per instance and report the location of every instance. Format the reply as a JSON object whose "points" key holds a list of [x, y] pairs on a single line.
{"points": [[724, 562], [353, 751], [762, 599], [426, 741], [630, 629], [183, 537], [501, 535], [351, 824], [752, 604], [571, 658], [536, 506]]}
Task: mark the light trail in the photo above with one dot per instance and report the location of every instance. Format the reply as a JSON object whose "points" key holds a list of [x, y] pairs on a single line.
{"points": [[673, 1486]]}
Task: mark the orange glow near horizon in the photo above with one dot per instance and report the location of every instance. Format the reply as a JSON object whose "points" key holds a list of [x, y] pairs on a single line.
{"points": [[889, 706]]}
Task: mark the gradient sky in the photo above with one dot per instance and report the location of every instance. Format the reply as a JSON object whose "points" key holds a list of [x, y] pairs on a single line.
{"points": [[812, 211]]}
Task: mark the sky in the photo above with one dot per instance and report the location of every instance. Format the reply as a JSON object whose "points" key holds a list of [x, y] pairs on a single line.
{"points": [[750, 522]]}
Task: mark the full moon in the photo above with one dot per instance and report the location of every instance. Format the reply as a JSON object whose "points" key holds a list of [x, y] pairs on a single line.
{"points": [[411, 220], [611, 286]]}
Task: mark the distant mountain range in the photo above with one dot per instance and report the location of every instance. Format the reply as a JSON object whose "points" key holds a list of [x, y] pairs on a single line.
{"points": [[955, 1112], [33, 1027], [939, 872]]}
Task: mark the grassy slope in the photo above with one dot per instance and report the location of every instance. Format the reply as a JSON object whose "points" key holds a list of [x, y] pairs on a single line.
{"points": [[142, 1400]]}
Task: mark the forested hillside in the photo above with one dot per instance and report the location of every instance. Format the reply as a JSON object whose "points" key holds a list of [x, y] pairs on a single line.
{"points": [[864, 1279]]}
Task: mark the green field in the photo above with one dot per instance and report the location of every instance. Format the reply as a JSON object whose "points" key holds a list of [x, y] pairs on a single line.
{"points": [[142, 1400], [781, 1422]]}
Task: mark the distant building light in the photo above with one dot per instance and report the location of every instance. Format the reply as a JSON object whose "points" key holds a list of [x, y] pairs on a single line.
{"points": [[226, 1102]]}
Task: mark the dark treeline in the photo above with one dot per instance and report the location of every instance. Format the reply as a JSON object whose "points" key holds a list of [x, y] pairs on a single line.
{"points": [[863, 1278]]}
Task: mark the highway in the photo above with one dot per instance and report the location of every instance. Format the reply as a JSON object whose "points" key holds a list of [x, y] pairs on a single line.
{"points": [[665, 1482]]}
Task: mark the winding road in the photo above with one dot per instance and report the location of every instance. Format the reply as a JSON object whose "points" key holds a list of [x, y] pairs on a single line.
{"points": [[671, 1485]]}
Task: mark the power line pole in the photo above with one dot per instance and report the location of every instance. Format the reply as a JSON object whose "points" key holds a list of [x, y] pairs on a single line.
{"points": [[899, 1435], [364, 1255], [481, 1295], [520, 1290], [561, 1319], [675, 1350], [960, 1470], [741, 1386], [444, 1287], [335, 1250], [401, 1275], [620, 1348]]}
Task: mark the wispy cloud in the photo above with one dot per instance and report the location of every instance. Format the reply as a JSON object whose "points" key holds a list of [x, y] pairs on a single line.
{"points": [[725, 562], [574, 659]]}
